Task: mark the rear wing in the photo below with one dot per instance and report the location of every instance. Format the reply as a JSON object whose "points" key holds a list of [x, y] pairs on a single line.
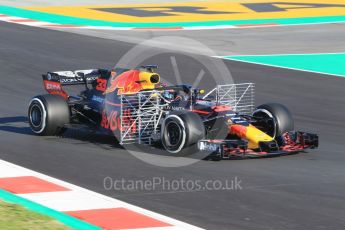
{"points": [[74, 77], [53, 81]]}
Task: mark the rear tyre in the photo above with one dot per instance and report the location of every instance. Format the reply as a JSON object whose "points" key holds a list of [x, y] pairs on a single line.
{"points": [[181, 131], [281, 116], [48, 114]]}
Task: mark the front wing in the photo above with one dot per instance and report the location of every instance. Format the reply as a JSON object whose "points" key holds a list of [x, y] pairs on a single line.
{"points": [[289, 143]]}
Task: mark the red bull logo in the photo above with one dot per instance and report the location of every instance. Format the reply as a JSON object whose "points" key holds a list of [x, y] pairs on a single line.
{"points": [[126, 83]]}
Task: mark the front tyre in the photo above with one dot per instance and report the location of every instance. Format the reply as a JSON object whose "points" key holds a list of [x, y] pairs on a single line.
{"points": [[48, 114], [180, 133], [282, 120]]}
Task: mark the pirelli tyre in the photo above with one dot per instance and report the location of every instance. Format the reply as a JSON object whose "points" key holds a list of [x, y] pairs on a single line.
{"points": [[48, 114], [282, 120], [181, 131]]}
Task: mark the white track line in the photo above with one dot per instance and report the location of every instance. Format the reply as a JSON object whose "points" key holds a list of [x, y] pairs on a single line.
{"points": [[70, 201]]}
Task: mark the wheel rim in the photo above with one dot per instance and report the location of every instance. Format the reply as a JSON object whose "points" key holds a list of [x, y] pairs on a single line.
{"points": [[174, 134], [263, 113], [36, 115]]}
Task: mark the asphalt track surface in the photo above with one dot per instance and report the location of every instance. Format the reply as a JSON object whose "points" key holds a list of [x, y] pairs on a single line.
{"points": [[304, 191], [322, 38]]}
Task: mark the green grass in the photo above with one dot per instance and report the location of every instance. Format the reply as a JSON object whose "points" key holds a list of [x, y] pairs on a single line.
{"points": [[16, 217]]}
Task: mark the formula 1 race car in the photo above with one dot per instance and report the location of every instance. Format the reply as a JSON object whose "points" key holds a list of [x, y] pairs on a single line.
{"points": [[137, 108]]}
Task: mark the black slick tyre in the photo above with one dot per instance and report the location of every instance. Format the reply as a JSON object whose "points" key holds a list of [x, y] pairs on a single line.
{"points": [[48, 114], [281, 116], [181, 131]]}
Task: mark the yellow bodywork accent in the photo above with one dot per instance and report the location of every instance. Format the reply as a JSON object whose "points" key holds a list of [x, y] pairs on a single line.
{"points": [[145, 80], [255, 135]]}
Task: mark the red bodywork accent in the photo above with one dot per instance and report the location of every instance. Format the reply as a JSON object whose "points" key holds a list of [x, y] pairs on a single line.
{"points": [[200, 111], [291, 146], [112, 121], [221, 108], [53, 87], [239, 130], [251, 153], [101, 84], [126, 83]]}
